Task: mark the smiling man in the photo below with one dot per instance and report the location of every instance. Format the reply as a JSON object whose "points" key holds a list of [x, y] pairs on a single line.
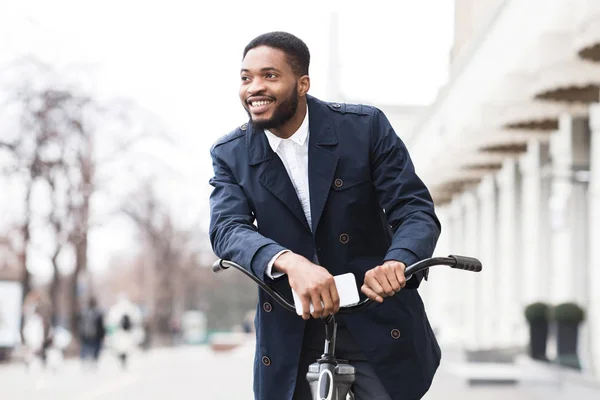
{"points": [[261, 104], [332, 189]]}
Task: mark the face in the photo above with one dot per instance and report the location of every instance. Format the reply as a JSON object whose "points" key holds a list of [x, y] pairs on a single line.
{"points": [[269, 89]]}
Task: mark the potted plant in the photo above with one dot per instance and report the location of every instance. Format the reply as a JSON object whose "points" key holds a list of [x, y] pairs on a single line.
{"points": [[537, 315], [567, 317]]}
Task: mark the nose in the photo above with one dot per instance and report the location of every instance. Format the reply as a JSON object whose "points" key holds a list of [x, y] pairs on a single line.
{"points": [[256, 86]]}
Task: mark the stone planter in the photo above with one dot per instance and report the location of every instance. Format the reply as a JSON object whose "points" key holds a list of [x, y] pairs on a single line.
{"points": [[567, 338], [567, 317], [537, 315], [538, 337]]}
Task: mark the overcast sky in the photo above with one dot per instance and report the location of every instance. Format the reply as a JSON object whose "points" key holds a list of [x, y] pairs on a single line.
{"points": [[180, 60]]}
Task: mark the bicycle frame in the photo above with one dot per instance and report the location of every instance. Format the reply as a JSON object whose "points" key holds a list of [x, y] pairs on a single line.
{"points": [[329, 379]]}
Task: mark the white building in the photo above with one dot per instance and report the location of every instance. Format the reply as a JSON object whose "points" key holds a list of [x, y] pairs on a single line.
{"points": [[511, 152]]}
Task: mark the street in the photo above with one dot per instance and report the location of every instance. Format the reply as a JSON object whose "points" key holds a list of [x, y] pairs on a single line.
{"points": [[198, 373]]}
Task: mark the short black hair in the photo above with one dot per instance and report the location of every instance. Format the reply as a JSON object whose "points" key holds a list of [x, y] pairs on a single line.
{"points": [[295, 49]]}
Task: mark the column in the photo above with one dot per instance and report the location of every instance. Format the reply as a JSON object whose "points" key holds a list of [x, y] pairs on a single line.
{"points": [[512, 329], [431, 293], [436, 292], [471, 282], [535, 239], [570, 152], [593, 305], [442, 248], [488, 320], [569, 149], [447, 305], [453, 329]]}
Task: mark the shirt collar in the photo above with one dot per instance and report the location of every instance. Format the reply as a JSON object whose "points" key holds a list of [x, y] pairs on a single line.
{"points": [[299, 137]]}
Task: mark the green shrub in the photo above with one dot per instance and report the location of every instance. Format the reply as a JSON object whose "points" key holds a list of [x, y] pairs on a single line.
{"points": [[568, 312], [537, 312]]}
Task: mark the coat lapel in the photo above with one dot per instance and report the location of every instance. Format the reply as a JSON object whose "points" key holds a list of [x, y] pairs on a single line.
{"points": [[274, 176], [322, 161]]}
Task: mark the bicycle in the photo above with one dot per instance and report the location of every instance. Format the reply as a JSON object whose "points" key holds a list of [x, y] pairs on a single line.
{"points": [[328, 378]]}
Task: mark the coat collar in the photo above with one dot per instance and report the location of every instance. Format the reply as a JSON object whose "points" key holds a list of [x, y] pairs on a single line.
{"points": [[322, 163], [320, 125]]}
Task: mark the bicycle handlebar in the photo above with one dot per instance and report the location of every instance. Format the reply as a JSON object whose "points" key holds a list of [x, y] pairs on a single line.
{"points": [[453, 261]]}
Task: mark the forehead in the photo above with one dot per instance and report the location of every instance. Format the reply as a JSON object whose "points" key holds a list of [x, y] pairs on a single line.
{"points": [[265, 57]]}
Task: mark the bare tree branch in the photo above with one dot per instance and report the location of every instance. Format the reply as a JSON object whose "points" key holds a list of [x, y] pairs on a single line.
{"points": [[58, 125], [10, 146]]}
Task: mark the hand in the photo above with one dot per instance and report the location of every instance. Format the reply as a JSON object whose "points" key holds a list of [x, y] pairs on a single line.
{"points": [[313, 284], [384, 280]]}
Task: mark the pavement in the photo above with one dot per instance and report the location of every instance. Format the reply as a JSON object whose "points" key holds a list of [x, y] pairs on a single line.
{"points": [[199, 373]]}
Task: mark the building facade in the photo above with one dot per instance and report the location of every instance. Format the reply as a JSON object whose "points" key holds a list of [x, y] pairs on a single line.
{"points": [[511, 153]]}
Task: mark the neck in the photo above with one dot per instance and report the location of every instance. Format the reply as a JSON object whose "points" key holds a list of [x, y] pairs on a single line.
{"points": [[290, 127]]}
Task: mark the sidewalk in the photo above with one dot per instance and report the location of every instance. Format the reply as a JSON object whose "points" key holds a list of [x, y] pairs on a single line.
{"points": [[179, 372], [525, 379]]}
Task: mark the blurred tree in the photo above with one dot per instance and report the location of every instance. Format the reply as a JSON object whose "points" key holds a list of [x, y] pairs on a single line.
{"points": [[28, 146], [50, 138], [168, 253]]}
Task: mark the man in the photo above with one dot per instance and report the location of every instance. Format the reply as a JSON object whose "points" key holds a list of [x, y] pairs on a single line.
{"points": [[92, 332], [332, 189]]}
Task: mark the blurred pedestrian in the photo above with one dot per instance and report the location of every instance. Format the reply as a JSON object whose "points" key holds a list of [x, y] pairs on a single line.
{"points": [[175, 328], [125, 320], [91, 332], [37, 330]]}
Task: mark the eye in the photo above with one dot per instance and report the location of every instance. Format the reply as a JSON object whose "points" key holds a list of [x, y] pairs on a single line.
{"points": [[245, 78], [271, 76]]}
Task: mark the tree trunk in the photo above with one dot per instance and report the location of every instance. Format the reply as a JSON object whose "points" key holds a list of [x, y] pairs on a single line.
{"points": [[81, 242], [26, 234], [54, 286], [25, 276], [81, 246], [80, 265]]}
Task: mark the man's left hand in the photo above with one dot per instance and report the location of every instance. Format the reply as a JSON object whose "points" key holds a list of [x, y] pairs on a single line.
{"points": [[384, 280]]}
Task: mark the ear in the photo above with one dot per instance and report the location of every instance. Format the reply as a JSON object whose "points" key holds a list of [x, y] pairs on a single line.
{"points": [[303, 85]]}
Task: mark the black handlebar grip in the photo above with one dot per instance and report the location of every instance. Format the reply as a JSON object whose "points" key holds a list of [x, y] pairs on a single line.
{"points": [[466, 263], [218, 266]]}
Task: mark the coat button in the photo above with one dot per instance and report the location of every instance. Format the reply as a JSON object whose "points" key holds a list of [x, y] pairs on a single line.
{"points": [[338, 183], [244, 126], [336, 105], [344, 238], [395, 333], [266, 361], [267, 307]]}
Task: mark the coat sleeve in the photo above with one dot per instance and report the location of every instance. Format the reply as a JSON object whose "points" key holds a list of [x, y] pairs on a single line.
{"points": [[406, 200], [233, 235]]}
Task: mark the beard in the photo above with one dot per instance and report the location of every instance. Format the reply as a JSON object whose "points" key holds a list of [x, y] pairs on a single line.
{"points": [[282, 114]]}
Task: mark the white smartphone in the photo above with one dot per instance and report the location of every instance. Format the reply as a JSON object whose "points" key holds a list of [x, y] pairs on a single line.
{"points": [[346, 287]]}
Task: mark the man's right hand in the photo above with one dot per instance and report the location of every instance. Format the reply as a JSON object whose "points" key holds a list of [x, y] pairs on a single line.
{"points": [[313, 284]]}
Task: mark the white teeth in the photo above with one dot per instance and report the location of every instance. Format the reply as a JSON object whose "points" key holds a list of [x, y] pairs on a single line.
{"points": [[259, 103]]}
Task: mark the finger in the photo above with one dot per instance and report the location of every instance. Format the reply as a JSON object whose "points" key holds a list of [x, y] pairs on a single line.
{"points": [[305, 299], [315, 298], [390, 274], [399, 272], [381, 276], [327, 302], [372, 283], [371, 294], [335, 298]]}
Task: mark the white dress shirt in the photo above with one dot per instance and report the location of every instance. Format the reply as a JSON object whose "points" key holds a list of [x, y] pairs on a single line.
{"points": [[293, 153]]}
